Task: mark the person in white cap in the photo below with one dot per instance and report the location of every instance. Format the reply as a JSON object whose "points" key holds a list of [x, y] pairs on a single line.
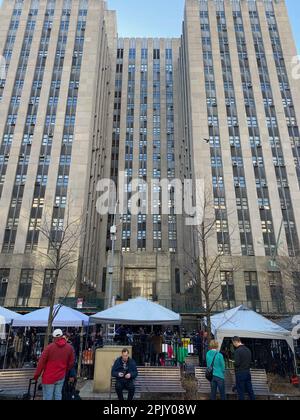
{"points": [[56, 361]]}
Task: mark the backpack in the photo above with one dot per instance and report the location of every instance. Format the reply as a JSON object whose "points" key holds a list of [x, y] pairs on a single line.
{"points": [[209, 373], [70, 393]]}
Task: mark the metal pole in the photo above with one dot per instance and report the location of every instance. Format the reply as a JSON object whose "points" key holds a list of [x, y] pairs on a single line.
{"points": [[6, 347], [80, 353], [113, 232]]}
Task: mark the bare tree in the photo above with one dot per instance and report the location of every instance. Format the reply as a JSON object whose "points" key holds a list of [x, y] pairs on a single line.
{"points": [[289, 267], [62, 254], [209, 261]]}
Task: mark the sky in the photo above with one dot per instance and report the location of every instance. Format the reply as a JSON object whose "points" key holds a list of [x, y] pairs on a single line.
{"points": [[163, 18]]}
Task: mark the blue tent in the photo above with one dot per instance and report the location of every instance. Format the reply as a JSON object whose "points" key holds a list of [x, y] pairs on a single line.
{"points": [[245, 323], [66, 317], [138, 311], [8, 316]]}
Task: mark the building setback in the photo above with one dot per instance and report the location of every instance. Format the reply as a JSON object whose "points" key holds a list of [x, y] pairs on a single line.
{"points": [[144, 148], [79, 105]]}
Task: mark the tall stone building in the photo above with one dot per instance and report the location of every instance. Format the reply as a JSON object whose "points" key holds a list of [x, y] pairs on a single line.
{"points": [[79, 105], [54, 104], [144, 150], [242, 110]]}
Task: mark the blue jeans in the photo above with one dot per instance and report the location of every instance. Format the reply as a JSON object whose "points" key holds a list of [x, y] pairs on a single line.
{"points": [[217, 384], [244, 384], [53, 392]]}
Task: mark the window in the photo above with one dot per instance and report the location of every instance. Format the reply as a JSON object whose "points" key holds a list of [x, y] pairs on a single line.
{"points": [[144, 53], [61, 201], [252, 291], [227, 286], [58, 224], [8, 138], [277, 293], [168, 54], [62, 180], [49, 278], [25, 287], [104, 280], [68, 138], [177, 281], [156, 54], [4, 277], [132, 53]]}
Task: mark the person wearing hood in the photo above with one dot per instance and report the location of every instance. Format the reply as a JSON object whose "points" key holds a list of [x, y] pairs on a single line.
{"points": [[55, 363]]}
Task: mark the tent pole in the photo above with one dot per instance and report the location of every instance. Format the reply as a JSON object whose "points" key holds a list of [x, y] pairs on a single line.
{"points": [[80, 353], [87, 336], [6, 347], [295, 362]]}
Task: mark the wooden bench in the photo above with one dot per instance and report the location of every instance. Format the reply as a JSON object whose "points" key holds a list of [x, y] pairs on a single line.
{"points": [[259, 382], [15, 383], [156, 380]]}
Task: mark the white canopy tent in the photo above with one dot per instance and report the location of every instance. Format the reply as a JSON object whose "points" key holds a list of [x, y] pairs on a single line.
{"points": [[138, 311], [245, 323], [66, 317], [289, 323], [8, 316], [296, 319]]}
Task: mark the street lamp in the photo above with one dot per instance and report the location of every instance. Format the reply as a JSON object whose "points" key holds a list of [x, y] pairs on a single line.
{"points": [[113, 237]]}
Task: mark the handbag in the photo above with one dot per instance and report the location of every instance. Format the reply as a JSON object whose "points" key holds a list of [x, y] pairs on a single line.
{"points": [[209, 373]]}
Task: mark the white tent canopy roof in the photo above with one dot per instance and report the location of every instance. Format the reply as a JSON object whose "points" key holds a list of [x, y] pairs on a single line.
{"points": [[8, 315], [66, 317], [138, 311], [296, 319], [246, 323]]}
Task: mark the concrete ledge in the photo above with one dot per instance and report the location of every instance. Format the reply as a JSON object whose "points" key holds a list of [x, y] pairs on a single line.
{"points": [[87, 393]]}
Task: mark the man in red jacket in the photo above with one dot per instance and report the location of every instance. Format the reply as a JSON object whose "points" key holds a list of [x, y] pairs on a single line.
{"points": [[57, 359]]}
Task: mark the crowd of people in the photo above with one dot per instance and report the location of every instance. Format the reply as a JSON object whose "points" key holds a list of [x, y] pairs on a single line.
{"points": [[150, 347], [23, 347], [125, 371], [160, 347], [20, 347], [155, 347]]}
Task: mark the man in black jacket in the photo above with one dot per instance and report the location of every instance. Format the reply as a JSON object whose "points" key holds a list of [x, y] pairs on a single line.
{"points": [[125, 371], [242, 364]]}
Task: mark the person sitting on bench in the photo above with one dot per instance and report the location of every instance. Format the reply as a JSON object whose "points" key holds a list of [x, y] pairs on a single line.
{"points": [[125, 371]]}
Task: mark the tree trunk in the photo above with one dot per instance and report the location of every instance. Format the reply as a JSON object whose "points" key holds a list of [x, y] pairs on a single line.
{"points": [[51, 307], [208, 320], [206, 283], [49, 327]]}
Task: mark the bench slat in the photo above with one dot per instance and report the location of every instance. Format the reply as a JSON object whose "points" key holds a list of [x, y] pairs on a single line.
{"points": [[259, 382], [156, 379]]}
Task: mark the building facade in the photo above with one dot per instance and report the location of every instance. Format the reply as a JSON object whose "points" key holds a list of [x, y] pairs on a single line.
{"points": [[144, 152], [54, 104], [79, 105], [241, 106]]}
